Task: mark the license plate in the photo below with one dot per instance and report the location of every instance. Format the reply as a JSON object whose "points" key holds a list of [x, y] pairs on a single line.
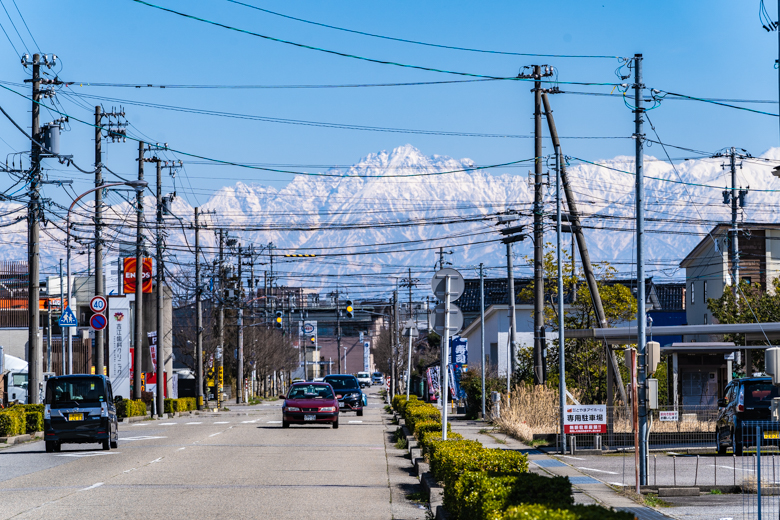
{"points": [[772, 435], [76, 417], [309, 417]]}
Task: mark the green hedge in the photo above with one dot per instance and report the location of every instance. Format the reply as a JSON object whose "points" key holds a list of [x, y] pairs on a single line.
{"points": [[130, 408], [542, 512], [421, 427], [33, 422], [183, 404], [13, 421], [479, 496]]}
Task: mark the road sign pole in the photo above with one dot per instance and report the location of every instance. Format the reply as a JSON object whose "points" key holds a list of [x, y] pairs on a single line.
{"points": [[70, 336], [444, 376]]}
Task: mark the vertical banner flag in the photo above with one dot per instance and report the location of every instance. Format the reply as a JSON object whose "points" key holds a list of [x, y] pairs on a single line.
{"points": [[129, 275], [153, 349], [459, 350], [366, 356], [119, 360]]}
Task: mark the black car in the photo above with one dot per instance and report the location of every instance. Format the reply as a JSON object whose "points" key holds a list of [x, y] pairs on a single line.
{"points": [[742, 411], [79, 409], [348, 392]]}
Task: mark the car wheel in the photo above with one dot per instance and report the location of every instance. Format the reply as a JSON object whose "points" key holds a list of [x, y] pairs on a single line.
{"points": [[360, 413], [106, 445], [114, 445], [720, 447], [285, 424], [335, 425], [49, 446], [57, 446]]}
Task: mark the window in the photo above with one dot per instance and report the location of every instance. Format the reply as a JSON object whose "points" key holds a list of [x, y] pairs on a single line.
{"points": [[693, 292], [75, 391], [747, 280]]}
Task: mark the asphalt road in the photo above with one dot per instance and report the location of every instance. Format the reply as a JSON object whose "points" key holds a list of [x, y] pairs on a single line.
{"points": [[236, 464]]}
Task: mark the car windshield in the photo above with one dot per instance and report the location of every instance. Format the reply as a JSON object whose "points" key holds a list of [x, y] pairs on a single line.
{"points": [[75, 391], [310, 392], [377, 374], [363, 375], [760, 393], [342, 382]]}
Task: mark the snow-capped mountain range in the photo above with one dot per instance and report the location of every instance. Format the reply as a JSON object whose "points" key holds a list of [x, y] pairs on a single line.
{"points": [[394, 209]]}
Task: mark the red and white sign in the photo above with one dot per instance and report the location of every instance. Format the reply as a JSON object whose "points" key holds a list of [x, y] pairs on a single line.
{"points": [[591, 418], [98, 322], [668, 416], [98, 304]]}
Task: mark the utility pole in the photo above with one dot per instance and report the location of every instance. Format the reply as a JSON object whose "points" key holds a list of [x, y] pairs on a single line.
{"points": [[240, 325], [198, 316], [641, 315], [394, 339], [512, 351], [538, 237], [221, 318], [537, 75], [561, 338], [99, 289], [734, 242], [139, 279], [160, 296], [338, 331], [62, 329], [482, 331], [34, 354]]}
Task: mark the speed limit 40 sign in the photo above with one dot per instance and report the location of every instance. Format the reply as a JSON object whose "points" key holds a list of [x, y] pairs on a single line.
{"points": [[98, 304]]}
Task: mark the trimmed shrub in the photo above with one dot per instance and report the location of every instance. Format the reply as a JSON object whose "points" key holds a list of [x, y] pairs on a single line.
{"points": [[541, 512], [399, 402], [12, 422], [418, 411], [429, 441], [183, 404], [478, 496], [421, 427], [130, 408], [33, 422]]}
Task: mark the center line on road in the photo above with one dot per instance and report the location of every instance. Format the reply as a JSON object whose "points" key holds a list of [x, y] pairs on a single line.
{"points": [[213, 434], [181, 449], [93, 486], [129, 470], [156, 460], [222, 422], [167, 423], [351, 422], [249, 422], [274, 422], [598, 470], [194, 423]]}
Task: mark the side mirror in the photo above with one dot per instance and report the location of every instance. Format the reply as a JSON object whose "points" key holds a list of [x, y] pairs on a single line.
{"points": [[282, 397], [117, 398], [721, 403]]}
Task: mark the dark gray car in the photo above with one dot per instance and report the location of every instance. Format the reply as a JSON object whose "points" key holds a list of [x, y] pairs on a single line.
{"points": [[79, 408]]}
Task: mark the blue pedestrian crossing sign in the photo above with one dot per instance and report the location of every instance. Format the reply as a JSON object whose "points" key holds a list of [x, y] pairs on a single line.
{"points": [[68, 318]]}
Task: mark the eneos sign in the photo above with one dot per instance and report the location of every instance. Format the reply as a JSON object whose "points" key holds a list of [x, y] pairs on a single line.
{"points": [[129, 276]]}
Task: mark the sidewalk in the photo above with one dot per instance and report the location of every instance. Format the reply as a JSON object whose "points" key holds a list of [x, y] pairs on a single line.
{"points": [[587, 490]]}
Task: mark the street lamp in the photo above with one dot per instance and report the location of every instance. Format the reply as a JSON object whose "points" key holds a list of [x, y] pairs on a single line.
{"points": [[138, 185]]}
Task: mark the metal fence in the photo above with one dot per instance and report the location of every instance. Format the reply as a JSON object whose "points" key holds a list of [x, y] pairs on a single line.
{"points": [[759, 441]]}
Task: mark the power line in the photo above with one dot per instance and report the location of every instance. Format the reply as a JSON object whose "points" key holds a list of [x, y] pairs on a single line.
{"points": [[415, 42]]}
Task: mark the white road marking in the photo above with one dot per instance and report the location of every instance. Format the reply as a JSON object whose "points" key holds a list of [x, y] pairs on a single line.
{"points": [[570, 457], [156, 460], [141, 438], [129, 470], [617, 484], [598, 470], [194, 423], [181, 449], [732, 468], [213, 434], [87, 454], [141, 424], [249, 422], [167, 423], [93, 486], [274, 422], [351, 422], [222, 422]]}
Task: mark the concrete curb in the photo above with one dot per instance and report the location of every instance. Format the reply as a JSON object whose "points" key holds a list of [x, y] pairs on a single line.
{"points": [[18, 439], [678, 492], [137, 418]]}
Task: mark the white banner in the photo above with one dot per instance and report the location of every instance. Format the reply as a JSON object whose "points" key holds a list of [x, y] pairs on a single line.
{"points": [[366, 356], [119, 344]]}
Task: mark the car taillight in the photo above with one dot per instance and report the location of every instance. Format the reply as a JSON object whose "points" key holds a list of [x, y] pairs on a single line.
{"points": [[740, 407], [47, 412]]}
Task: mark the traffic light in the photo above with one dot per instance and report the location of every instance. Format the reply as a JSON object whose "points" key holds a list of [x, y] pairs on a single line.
{"points": [[279, 319], [350, 309], [313, 341]]}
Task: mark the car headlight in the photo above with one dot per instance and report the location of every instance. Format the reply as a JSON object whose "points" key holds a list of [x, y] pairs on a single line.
{"points": [[355, 394], [327, 408], [293, 409]]}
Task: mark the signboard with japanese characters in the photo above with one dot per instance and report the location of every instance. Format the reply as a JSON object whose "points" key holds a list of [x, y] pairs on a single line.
{"points": [[668, 416], [590, 418], [459, 350]]}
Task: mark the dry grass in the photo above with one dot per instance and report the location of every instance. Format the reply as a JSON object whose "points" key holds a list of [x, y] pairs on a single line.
{"points": [[534, 409]]}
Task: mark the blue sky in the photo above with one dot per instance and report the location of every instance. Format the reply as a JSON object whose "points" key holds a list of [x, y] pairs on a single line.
{"points": [[717, 49]]}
